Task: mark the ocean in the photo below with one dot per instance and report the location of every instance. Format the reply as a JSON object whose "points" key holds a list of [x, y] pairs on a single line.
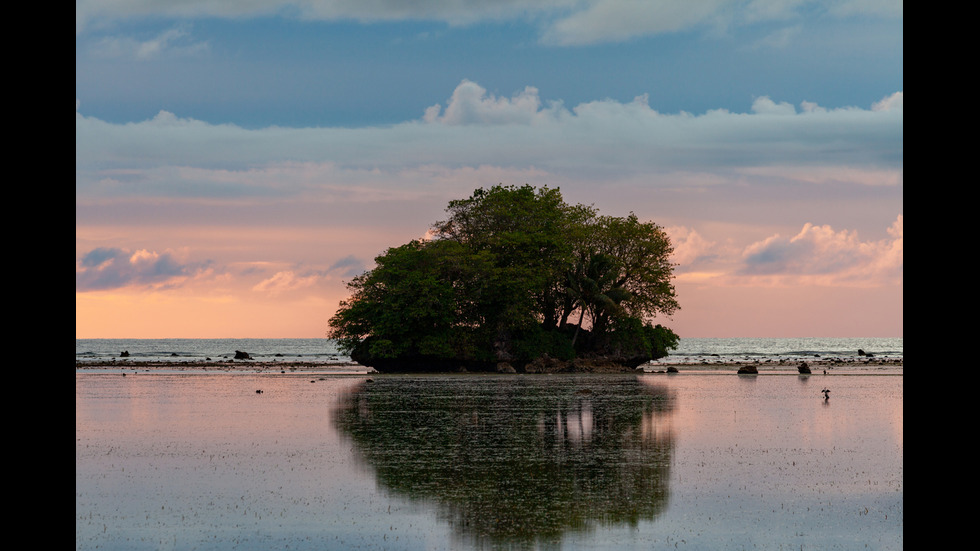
{"points": [[691, 350]]}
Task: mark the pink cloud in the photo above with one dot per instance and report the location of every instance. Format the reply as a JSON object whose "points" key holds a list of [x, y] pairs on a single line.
{"points": [[824, 256]]}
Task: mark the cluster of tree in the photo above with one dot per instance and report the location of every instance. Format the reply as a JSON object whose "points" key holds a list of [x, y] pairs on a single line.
{"points": [[514, 274]]}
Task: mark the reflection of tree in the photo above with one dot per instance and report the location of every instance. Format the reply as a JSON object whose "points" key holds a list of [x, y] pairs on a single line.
{"points": [[517, 458]]}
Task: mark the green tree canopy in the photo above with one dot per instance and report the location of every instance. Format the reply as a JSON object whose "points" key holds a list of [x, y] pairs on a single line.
{"points": [[513, 274]]}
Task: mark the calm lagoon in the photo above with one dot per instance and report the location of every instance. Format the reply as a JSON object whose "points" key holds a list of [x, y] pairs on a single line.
{"points": [[690, 461]]}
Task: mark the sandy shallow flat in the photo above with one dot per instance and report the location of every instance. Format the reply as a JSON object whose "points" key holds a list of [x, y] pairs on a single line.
{"points": [[698, 460]]}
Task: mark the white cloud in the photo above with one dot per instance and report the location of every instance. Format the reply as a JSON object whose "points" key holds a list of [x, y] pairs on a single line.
{"points": [[470, 104], [893, 102], [563, 22], [719, 168], [617, 20], [690, 247], [884, 8], [169, 42], [595, 139], [765, 106], [824, 256], [90, 13], [597, 21]]}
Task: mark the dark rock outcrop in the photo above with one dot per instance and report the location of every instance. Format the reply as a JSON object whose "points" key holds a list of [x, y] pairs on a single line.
{"points": [[748, 370], [803, 368], [239, 355], [504, 367]]}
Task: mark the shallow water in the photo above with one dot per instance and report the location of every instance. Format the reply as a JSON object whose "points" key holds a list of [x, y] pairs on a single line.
{"points": [[696, 461]]}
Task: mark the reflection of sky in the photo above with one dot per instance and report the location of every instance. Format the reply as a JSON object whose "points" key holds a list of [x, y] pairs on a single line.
{"points": [[763, 460], [203, 460]]}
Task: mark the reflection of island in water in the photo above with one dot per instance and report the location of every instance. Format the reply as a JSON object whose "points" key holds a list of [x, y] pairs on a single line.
{"points": [[517, 458]]}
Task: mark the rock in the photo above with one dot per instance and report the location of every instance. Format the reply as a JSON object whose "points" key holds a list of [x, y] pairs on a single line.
{"points": [[504, 367], [748, 370], [861, 352], [239, 355], [672, 369], [803, 368], [124, 354], [545, 364]]}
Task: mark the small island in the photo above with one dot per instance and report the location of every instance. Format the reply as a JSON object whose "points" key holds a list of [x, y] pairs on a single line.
{"points": [[515, 280]]}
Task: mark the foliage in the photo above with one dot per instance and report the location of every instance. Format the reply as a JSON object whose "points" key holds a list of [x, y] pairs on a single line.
{"points": [[501, 280]]}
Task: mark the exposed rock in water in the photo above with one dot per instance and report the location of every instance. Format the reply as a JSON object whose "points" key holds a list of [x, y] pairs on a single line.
{"points": [[748, 370], [239, 355], [546, 364], [803, 368], [504, 367]]}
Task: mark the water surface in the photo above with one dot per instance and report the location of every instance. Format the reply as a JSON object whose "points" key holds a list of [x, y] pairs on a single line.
{"points": [[696, 461]]}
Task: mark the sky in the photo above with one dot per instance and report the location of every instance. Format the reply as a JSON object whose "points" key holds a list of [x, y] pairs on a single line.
{"points": [[236, 163]]}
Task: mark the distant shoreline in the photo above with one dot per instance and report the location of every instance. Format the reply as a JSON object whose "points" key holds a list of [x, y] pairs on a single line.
{"points": [[225, 365], [817, 365]]}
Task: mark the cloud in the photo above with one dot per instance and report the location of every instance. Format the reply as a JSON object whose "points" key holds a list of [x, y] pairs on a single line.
{"points": [[109, 268], [690, 247], [347, 267], [173, 156], [353, 191], [821, 255], [168, 42], [89, 13], [601, 21], [617, 20], [893, 102], [765, 106], [562, 22], [470, 104], [285, 281]]}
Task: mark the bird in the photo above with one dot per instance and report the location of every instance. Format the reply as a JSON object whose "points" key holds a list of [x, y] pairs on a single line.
{"points": [[826, 394]]}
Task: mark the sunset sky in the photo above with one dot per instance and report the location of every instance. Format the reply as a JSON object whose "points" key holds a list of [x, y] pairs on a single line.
{"points": [[237, 162]]}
